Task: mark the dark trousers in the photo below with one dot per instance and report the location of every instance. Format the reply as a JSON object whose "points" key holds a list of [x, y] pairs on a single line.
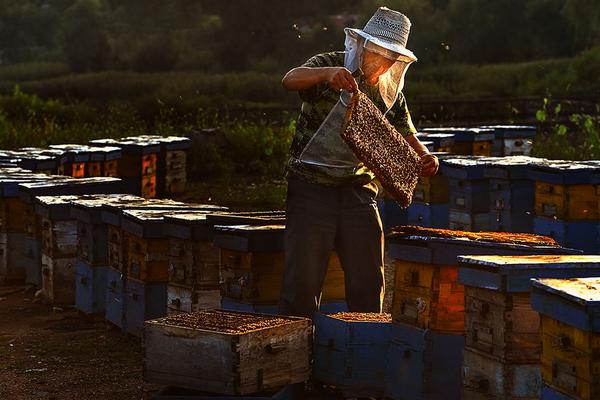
{"points": [[321, 219]]}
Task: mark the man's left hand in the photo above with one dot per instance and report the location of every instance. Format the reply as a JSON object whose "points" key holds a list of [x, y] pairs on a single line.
{"points": [[430, 165]]}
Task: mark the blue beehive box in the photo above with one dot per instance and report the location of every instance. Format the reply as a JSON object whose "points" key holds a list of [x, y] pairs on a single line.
{"points": [[464, 134], [468, 187], [440, 140], [510, 186], [511, 221], [583, 235], [349, 354], [90, 288], [428, 215], [115, 298], [143, 301], [566, 173], [423, 364], [392, 214], [467, 221]]}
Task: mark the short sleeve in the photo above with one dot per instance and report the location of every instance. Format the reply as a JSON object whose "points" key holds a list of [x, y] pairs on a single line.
{"points": [[320, 60], [401, 119]]}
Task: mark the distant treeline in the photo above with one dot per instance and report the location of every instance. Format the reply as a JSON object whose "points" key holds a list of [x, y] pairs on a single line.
{"points": [[273, 35]]}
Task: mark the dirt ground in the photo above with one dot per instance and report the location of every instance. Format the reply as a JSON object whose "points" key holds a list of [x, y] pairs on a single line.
{"points": [[48, 353]]}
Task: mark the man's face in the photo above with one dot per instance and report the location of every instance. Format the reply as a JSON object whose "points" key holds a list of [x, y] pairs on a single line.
{"points": [[374, 65]]}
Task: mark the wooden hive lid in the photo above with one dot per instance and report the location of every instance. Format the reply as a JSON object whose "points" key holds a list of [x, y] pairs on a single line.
{"points": [[574, 301], [514, 273]]}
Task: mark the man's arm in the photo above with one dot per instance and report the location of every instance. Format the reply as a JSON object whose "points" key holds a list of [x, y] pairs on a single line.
{"points": [[302, 78], [430, 162]]}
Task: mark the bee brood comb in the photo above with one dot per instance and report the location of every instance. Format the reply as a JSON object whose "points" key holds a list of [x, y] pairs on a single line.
{"points": [[381, 148]]}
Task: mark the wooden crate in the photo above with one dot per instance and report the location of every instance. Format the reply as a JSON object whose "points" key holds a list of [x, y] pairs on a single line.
{"points": [[566, 202], [428, 296], [147, 259], [257, 276], [570, 335], [58, 280], [485, 377], [431, 190], [499, 319], [237, 363]]}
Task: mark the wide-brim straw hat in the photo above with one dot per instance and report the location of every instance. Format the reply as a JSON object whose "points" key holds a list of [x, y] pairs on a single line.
{"points": [[388, 29]]}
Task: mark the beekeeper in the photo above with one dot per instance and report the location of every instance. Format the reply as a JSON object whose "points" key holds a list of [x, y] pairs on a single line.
{"points": [[331, 201]]}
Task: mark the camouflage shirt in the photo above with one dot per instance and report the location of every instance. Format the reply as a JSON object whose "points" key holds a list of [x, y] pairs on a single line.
{"points": [[317, 101]]}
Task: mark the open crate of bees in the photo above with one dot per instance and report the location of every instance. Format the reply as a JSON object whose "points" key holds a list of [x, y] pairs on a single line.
{"points": [[226, 352], [350, 352]]}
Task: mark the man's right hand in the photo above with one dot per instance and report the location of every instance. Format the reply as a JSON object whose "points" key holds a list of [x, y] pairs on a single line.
{"points": [[339, 78]]}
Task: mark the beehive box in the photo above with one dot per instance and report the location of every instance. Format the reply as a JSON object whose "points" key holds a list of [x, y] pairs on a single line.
{"points": [[90, 288], [171, 162], [428, 296], [226, 352], [137, 166], [143, 301], [74, 161], [512, 140], [510, 221], [182, 298], [469, 188], [468, 141], [381, 148], [69, 186], [252, 262], [570, 335], [428, 215], [581, 235], [349, 349], [38, 159], [466, 221], [423, 364], [115, 298], [566, 190], [58, 280], [427, 292], [147, 246], [499, 319], [487, 378]]}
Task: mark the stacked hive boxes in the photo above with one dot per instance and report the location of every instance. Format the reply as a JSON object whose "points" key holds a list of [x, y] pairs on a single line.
{"points": [[34, 159], [570, 336], [138, 164], [469, 193], [512, 193], [146, 265], [112, 214], [566, 204], [227, 354], [350, 350], [512, 140], [92, 250], [428, 308], [194, 280], [468, 141], [252, 263], [15, 263], [79, 161], [502, 352], [171, 162]]}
